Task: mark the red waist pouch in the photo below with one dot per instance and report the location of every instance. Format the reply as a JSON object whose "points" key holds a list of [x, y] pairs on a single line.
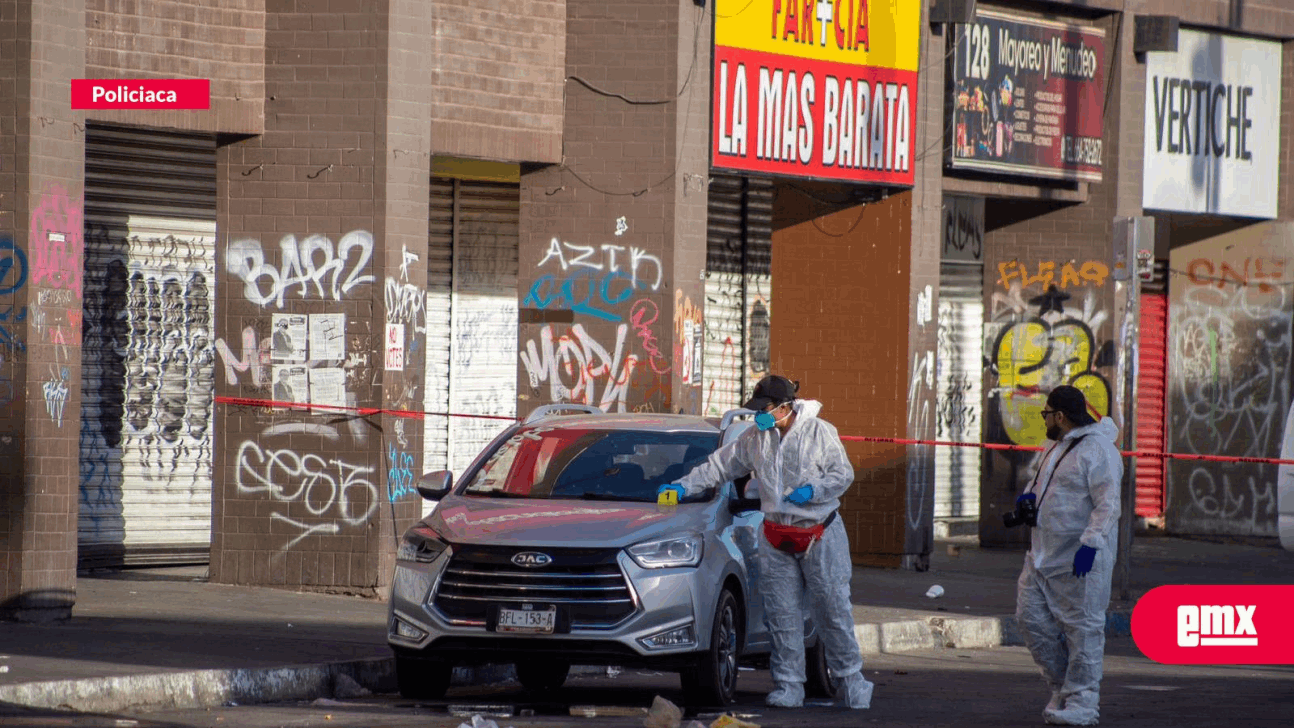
{"points": [[794, 540]]}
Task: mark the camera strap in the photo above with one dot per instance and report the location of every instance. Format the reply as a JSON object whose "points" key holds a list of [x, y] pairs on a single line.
{"points": [[1073, 444]]}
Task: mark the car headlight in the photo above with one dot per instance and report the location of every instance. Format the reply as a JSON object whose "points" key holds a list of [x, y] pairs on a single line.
{"points": [[668, 552], [421, 544]]}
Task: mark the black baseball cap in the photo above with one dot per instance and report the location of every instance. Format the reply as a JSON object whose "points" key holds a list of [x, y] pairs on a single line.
{"points": [[1071, 401], [771, 390]]}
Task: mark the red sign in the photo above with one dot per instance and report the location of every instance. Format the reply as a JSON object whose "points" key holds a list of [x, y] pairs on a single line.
{"points": [[1216, 625], [822, 119], [141, 93]]}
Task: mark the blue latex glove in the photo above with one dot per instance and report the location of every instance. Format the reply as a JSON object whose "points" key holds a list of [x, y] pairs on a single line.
{"points": [[1083, 560], [801, 495], [678, 490], [1026, 497]]}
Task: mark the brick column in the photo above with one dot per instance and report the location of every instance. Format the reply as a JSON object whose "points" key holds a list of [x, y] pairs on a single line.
{"points": [[613, 239], [41, 258], [324, 217]]}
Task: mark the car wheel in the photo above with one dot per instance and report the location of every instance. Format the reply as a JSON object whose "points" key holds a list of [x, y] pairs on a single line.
{"points": [[712, 680], [420, 679], [539, 677], [820, 682]]}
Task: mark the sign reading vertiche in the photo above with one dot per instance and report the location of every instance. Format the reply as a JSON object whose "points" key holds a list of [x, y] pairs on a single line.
{"points": [[1028, 97], [816, 88], [141, 93]]}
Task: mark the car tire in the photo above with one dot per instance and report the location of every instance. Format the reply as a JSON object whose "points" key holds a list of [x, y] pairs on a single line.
{"points": [[820, 683], [540, 677], [420, 679], [712, 680]]}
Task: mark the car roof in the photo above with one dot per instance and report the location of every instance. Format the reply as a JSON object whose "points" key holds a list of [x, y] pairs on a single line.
{"points": [[632, 421]]}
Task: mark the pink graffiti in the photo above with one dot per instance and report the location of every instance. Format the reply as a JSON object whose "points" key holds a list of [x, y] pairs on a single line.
{"points": [[642, 329], [56, 241]]}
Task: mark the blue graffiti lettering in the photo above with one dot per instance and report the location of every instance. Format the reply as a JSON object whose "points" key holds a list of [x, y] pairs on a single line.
{"points": [[13, 267], [586, 292], [8, 337], [400, 477]]}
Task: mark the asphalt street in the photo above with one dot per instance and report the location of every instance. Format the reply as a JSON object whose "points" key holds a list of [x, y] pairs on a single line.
{"points": [[975, 688]]}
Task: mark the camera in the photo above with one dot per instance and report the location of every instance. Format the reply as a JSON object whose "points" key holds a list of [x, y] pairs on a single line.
{"points": [[1025, 514]]}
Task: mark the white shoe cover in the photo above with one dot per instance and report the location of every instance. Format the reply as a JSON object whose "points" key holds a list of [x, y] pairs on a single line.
{"points": [[1075, 715], [787, 695], [1053, 705], [859, 691]]}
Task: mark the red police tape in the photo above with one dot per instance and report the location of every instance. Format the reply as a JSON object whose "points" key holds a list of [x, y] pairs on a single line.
{"points": [[418, 415]]}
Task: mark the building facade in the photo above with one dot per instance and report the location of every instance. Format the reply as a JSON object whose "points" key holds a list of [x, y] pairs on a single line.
{"points": [[238, 335]]}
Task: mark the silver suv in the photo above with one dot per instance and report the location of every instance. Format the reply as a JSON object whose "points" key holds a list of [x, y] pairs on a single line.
{"points": [[552, 551]]}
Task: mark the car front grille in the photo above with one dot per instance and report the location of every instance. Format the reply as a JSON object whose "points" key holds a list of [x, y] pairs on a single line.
{"points": [[586, 584]]}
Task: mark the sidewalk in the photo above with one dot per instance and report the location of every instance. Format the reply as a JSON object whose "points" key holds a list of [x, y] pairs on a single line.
{"points": [[160, 638]]}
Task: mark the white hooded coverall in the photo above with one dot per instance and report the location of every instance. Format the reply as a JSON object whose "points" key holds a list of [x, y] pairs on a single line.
{"points": [[811, 452], [1063, 616]]}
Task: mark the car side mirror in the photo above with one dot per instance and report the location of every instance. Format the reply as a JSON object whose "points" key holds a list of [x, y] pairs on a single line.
{"points": [[737, 506], [435, 485]]}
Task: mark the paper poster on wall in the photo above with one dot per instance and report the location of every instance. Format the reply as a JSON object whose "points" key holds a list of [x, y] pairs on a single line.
{"points": [[1213, 134], [327, 336], [698, 347], [686, 363], [291, 384], [328, 386], [288, 340], [394, 347]]}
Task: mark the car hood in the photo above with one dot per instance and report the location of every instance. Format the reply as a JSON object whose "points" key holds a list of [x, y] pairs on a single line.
{"points": [[554, 523]]}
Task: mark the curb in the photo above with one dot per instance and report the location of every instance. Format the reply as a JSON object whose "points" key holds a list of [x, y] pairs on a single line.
{"points": [[210, 688]]}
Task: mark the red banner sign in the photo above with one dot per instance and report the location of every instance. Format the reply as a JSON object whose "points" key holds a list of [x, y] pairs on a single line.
{"points": [[1216, 625], [141, 93]]}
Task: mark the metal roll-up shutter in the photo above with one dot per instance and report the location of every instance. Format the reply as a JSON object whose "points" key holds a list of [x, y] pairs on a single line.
{"points": [[474, 231], [483, 354], [960, 367], [738, 289], [440, 277], [147, 351], [1152, 373]]}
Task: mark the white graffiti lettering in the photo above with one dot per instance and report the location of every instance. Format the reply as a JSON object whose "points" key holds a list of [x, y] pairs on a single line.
{"points": [[319, 485], [312, 260], [608, 261], [577, 364]]}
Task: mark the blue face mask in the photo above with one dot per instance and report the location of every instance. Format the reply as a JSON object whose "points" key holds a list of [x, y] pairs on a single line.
{"points": [[765, 420]]}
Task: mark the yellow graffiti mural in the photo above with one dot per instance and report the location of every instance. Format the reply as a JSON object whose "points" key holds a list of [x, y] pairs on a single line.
{"points": [[1032, 357]]}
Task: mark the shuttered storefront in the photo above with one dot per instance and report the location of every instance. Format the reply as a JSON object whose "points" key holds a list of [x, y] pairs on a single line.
{"points": [[471, 316], [960, 367], [147, 352], [738, 289], [1152, 372]]}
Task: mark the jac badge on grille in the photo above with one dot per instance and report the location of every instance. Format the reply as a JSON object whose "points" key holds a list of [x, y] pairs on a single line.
{"points": [[531, 559]]}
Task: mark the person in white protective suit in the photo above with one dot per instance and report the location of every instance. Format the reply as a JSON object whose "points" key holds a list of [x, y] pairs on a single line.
{"points": [[1064, 588], [802, 470]]}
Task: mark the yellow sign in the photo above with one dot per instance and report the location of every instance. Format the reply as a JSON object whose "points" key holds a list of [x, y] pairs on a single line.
{"points": [[877, 33]]}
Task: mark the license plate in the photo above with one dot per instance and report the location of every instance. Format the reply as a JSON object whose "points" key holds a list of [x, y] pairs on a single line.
{"points": [[527, 620]]}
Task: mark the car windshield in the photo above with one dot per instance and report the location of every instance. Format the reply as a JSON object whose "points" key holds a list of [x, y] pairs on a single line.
{"points": [[627, 465]]}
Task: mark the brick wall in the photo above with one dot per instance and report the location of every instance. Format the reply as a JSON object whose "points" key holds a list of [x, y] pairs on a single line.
{"points": [[41, 148], [625, 161], [497, 72], [841, 330], [306, 500], [185, 39]]}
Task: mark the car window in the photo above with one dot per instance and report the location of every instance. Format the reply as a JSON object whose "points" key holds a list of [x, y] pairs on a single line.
{"points": [[550, 462]]}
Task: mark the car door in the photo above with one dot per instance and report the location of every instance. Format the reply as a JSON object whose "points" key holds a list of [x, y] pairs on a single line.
{"points": [[746, 527]]}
